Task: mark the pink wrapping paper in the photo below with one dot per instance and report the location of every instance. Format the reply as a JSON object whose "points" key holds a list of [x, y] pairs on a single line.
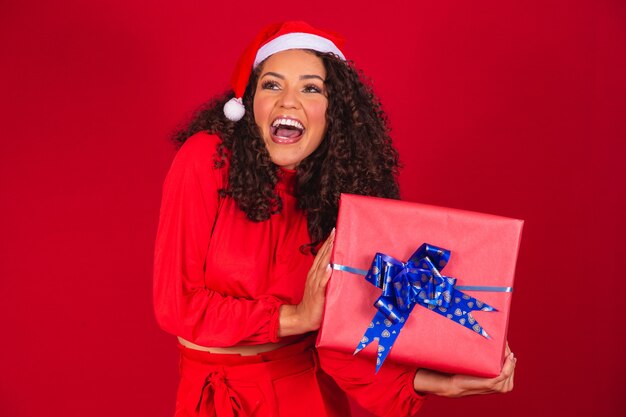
{"points": [[484, 252]]}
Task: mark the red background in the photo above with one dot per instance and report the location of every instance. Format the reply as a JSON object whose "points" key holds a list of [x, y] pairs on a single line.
{"points": [[511, 108]]}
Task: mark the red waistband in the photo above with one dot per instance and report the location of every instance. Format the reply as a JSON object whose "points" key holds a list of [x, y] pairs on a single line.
{"points": [[283, 361]]}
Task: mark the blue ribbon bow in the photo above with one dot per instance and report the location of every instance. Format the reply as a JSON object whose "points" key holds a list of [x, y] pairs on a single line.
{"points": [[416, 282]]}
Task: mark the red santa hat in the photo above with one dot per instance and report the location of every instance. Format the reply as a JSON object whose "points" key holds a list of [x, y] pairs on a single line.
{"points": [[275, 38]]}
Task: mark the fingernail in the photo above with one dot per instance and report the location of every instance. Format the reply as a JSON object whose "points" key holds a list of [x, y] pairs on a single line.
{"points": [[328, 268], [512, 356]]}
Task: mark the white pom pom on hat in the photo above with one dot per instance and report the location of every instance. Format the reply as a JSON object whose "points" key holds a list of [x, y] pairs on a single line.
{"points": [[272, 39], [234, 109]]}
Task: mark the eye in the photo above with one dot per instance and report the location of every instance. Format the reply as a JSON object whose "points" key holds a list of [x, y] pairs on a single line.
{"points": [[312, 88], [270, 85]]}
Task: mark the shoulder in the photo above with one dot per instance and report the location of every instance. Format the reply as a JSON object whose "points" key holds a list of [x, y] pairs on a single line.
{"points": [[198, 149], [195, 162]]}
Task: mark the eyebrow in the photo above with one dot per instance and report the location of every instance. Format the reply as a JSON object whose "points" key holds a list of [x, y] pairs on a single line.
{"points": [[302, 77]]}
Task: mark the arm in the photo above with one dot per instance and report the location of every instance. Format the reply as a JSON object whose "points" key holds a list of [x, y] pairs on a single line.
{"points": [[398, 390], [455, 386], [390, 392], [183, 305]]}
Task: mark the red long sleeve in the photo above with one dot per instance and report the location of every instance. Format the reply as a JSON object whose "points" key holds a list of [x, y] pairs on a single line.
{"points": [[184, 304], [388, 393]]}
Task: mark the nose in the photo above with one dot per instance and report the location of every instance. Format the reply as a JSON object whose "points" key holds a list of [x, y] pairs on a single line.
{"points": [[289, 98]]}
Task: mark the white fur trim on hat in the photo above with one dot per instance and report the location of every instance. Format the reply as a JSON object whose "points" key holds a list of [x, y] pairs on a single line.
{"points": [[296, 40]]}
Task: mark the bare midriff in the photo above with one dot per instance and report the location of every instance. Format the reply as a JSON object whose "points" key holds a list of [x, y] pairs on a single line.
{"points": [[241, 350]]}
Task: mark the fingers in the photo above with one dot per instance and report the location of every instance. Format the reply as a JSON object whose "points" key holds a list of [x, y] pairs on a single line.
{"points": [[507, 348], [323, 256], [507, 369], [503, 382], [463, 385], [508, 385], [510, 380], [328, 248], [324, 269], [322, 259], [505, 378]]}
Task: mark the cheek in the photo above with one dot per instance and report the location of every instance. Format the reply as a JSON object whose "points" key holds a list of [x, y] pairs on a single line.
{"points": [[318, 115], [260, 109]]}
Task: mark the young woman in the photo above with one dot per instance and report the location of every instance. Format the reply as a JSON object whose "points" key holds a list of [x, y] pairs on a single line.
{"points": [[246, 232]]}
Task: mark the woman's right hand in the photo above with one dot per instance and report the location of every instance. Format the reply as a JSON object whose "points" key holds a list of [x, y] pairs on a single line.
{"points": [[307, 316]]}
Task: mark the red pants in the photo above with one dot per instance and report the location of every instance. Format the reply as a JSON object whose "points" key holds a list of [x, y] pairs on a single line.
{"points": [[282, 383]]}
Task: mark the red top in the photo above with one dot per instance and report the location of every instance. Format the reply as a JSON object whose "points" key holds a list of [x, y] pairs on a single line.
{"points": [[219, 278]]}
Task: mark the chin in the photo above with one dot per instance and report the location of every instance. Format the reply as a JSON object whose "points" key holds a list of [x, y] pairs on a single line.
{"points": [[285, 163]]}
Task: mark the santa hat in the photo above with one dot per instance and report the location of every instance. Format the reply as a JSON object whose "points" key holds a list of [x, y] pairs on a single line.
{"points": [[275, 38]]}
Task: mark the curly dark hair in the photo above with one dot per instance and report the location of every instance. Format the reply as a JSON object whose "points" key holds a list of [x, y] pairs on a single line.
{"points": [[355, 156]]}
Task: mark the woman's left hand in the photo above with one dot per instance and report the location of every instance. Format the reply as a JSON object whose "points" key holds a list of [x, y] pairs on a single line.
{"points": [[455, 386]]}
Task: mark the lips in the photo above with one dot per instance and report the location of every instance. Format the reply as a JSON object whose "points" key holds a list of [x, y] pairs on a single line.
{"points": [[286, 130]]}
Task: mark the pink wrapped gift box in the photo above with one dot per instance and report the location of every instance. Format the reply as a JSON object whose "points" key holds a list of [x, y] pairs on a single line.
{"points": [[483, 253]]}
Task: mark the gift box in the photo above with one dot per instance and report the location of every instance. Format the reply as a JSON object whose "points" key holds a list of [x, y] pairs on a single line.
{"points": [[443, 307]]}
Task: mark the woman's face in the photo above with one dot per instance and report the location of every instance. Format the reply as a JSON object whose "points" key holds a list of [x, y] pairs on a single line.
{"points": [[290, 105]]}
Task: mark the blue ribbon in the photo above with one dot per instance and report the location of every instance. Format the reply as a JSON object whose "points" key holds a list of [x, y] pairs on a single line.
{"points": [[416, 282]]}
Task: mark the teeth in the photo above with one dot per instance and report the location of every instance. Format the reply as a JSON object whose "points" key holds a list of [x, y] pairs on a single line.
{"points": [[287, 122]]}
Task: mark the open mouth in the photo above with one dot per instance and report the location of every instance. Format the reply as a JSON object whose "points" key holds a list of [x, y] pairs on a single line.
{"points": [[285, 130]]}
